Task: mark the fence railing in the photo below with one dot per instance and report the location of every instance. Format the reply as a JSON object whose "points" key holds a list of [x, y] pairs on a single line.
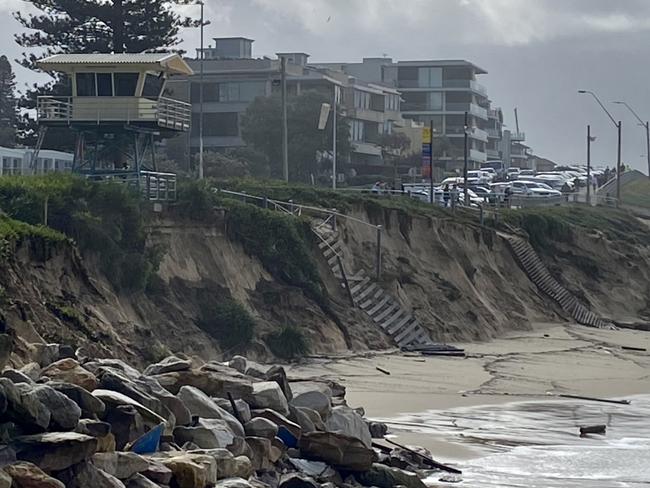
{"points": [[155, 186], [166, 112], [298, 210]]}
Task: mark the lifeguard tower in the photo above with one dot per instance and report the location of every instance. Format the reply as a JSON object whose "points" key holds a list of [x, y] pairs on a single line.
{"points": [[117, 109]]}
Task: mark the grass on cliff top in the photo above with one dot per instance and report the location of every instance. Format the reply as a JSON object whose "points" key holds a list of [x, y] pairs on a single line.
{"points": [[343, 199], [13, 230], [636, 193], [547, 224], [103, 218]]}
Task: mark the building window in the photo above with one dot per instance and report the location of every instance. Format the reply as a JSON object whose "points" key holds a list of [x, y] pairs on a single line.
{"points": [[244, 91], [219, 124], [392, 103], [361, 100], [429, 77], [357, 130], [153, 86], [125, 84], [86, 85], [104, 84]]}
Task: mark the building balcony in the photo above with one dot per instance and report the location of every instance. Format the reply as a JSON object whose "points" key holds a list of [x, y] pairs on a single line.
{"points": [[368, 148], [467, 84], [161, 112], [494, 133], [475, 133], [493, 154], [476, 155], [518, 136], [366, 114], [471, 108]]}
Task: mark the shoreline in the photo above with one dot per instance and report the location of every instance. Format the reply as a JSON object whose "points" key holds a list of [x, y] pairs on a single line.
{"points": [[521, 366]]}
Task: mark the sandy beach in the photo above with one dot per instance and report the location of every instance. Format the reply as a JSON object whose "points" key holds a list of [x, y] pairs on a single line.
{"points": [[551, 359]]}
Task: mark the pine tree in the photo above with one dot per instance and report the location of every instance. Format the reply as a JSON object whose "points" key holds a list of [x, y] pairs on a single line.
{"points": [[94, 26], [8, 107]]}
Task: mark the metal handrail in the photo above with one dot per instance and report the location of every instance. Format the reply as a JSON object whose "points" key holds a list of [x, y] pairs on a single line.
{"points": [[302, 207]]}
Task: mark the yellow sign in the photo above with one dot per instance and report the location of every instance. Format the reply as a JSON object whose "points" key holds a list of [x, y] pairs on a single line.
{"points": [[426, 135]]}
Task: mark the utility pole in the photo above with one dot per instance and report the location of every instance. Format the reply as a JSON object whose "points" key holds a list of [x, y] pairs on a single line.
{"points": [[285, 146], [201, 98], [618, 165], [336, 92], [431, 161], [643, 124], [465, 162], [588, 164], [619, 130]]}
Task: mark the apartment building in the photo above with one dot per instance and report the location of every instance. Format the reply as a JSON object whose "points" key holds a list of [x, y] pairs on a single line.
{"points": [[17, 161], [438, 92], [495, 134], [514, 150], [233, 78]]}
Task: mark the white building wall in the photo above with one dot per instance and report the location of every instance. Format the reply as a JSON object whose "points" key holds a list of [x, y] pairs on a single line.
{"points": [[17, 161]]}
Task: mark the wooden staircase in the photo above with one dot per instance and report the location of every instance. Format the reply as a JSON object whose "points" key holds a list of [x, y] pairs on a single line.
{"points": [[380, 306], [539, 274]]}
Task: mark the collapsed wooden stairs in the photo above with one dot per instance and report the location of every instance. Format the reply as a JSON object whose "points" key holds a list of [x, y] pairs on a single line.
{"points": [[368, 295], [539, 274]]}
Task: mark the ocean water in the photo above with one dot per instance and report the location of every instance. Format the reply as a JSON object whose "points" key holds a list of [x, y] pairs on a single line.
{"points": [[536, 444]]}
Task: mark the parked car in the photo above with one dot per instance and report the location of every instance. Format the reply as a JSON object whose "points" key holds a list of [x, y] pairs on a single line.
{"points": [[512, 173], [555, 181], [479, 177], [491, 171], [527, 172], [485, 193], [533, 189]]}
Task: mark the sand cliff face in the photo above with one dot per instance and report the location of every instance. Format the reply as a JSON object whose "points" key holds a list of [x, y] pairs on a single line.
{"points": [[460, 281]]}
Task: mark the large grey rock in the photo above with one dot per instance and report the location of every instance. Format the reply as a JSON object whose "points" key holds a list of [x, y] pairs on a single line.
{"points": [[268, 394], [122, 465], [90, 406], [140, 481], [64, 413], [127, 425], [113, 380], [215, 380], [242, 407], [233, 483], [278, 374], [297, 480], [169, 401], [87, 475], [261, 452], [93, 428], [279, 420], [338, 450], [314, 469], [310, 394], [28, 475], [261, 427], [70, 371], [6, 346], [55, 451], [24, 406], [168, 365], [347, 421], [45, 354], [98, 365], [191, 470], [310, 420], [256, 370], [239, 363], [387, 477], [33, 370], [158, 472], [114, 398], [201, 405], [229, 466], [5, 480], [207, 434], [16, 376]]}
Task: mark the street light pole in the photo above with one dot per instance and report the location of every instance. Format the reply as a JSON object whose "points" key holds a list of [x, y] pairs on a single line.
{"points": [[465, 162], [285, 145], [646, 125], [619, 126], [589, 165], [202, 57]]}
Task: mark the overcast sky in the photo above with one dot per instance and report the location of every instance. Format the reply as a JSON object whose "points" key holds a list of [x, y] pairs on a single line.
{"points": [[538, 53]]}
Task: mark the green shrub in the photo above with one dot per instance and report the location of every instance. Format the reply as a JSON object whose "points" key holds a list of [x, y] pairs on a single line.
{"points": [[230, 323], [288, 343], [195, 199], [280, 242], [104, 218]]}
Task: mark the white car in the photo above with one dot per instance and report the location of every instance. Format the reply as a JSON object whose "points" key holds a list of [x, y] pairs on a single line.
{"points": [[527, 172], [478, 177], [555, 181], [534, 189], [512, 173]]}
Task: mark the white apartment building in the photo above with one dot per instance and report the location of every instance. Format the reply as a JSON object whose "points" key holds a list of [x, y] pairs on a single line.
{"points": [[17, 161]]}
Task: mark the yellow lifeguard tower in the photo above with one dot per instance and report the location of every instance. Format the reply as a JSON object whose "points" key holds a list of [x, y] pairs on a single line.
{"points": [[117, 107]]}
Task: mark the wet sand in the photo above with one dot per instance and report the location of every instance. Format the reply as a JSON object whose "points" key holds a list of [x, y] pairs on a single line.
{"points": [[551, 359]]}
